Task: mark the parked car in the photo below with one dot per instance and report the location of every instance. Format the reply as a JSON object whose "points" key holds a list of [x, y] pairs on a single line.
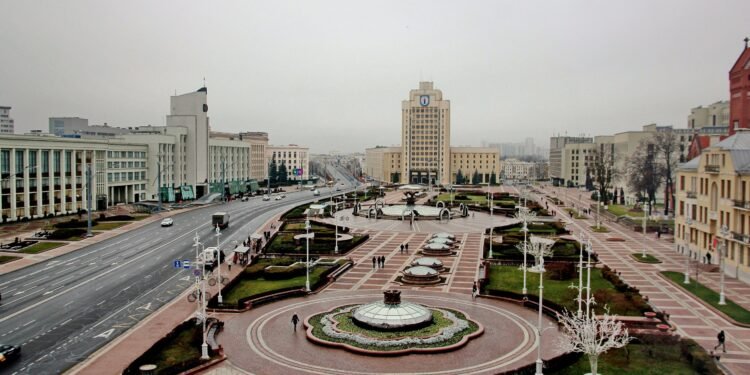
{"points": [[9, 353], [245, 199], [278, 197], [266, 198], [283, 195], [167, 222]]}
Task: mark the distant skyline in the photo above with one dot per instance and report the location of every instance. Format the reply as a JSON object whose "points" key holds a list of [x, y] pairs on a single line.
{"points": [[331, 75]]}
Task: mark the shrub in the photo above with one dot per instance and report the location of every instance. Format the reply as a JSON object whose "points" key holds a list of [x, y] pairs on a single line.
{"points": [[701, 361], [65, 233], [283, 272], [561, 271], [74, 223], [116, 218]]}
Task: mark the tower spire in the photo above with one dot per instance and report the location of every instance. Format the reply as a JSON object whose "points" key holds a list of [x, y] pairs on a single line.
{"points": [[746, 40]]}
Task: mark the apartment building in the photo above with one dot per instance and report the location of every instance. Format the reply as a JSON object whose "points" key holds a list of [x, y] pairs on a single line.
{"points": [[295, 158], [713, 190]]}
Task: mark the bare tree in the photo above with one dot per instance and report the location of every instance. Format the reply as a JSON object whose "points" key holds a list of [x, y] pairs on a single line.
{"points": [[538, 247], [592, 335], [604, 170], [667, 149], [644, 170]]}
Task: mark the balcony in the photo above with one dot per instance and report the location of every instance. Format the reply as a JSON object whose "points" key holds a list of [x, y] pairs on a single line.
{"points": [[744, 238], [713, 215], [745, 205], [691, 194], [709, 168]]}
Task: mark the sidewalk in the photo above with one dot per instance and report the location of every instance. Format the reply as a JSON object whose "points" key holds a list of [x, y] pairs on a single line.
{"points": [[119, 353]]}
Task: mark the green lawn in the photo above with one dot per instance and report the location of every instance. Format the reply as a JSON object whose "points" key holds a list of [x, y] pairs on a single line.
{"points": [[602, 229], [7, 259], [647, 259], [109, 225], [253, 287], [510, 278], [709, 296], [41, 247], [621, 210], [446, 197], [643, 360]]}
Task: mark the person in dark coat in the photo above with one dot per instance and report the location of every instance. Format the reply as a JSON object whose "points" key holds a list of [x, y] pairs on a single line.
{"points": [[406, 247], [295, 320], [373, 262], [402, 248], [382, 261], [721, 339]]}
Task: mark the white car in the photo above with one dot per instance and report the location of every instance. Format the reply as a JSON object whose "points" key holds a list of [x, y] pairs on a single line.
{"points": [[167, 222], [266, 198], [245, 199], [278, 197], [283, 195]]}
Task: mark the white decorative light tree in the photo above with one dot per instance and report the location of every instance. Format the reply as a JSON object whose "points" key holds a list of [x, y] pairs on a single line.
{"points": [[592, 335], [525, 215], [539, 247]]}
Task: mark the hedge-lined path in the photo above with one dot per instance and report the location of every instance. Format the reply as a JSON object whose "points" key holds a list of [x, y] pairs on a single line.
{"points": [[692, 318]]}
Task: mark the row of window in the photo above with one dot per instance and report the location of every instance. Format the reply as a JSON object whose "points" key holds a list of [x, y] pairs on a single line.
{"points": [[126, 154], [126, 176], [126, 164]]}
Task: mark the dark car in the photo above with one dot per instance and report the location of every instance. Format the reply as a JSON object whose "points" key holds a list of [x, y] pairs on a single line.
{"points": [[9, 353]]}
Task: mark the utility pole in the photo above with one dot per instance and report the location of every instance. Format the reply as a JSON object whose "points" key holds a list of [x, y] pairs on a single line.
{"points": [[223, 182], [158, 177], [88, 199]]}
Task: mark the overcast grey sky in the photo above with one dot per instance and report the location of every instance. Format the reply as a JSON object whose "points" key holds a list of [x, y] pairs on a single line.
{"points": [[332, 74]]}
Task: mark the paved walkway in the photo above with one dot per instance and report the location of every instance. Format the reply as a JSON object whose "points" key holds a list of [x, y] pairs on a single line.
{"points": [[691, 317]]}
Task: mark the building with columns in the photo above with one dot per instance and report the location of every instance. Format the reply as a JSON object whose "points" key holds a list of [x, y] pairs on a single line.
{"points": [[425, 154], [44, 175]]}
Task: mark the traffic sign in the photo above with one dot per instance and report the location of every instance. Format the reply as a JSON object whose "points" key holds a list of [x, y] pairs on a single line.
{"points": [[177, 263], [196, 272], [186, 264]]}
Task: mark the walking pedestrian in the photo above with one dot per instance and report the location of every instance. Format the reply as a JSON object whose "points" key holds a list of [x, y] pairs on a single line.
{"points": [[295, 320], [708, 258], [373, 262], [229, 266], [721, 339], [474, 291], [402, 248], [406, 247], [658, 233], [382, 261]]}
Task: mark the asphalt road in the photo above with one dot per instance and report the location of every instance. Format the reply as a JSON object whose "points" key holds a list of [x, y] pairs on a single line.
{"points": [[63, 309]]}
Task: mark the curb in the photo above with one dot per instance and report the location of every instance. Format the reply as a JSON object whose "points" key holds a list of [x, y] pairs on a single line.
{"points": [[704, 303]]}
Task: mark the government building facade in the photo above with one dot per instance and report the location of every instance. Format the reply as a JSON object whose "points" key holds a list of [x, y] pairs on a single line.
{"points": [[425, 155]]}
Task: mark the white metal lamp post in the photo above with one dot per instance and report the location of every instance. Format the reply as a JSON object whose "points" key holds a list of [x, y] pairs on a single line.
{"points": [[581, 239], [204, 345], [492, 228], [588, 280], [539, 363], [218, 262], [722, 254], [307, 255], [688, 239], [598, 207], [645, 215]]}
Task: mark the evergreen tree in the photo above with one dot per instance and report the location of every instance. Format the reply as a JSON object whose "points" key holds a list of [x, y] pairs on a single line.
{"points": [[475, 178], [282, 174], [493, 178], [459, 177], [273, 174]]}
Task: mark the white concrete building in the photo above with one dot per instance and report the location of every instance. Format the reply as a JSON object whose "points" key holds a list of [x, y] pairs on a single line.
{"points": [[294, 157], [6, 122], [517, 170], [76, 127], [46, 175], [716, 114]]}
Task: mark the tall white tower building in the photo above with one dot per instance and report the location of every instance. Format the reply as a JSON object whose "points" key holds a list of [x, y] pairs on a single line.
{"points": [[425, 136]]}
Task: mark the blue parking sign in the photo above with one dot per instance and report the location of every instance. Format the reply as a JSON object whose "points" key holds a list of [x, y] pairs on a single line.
{"points": [[186, 264]]}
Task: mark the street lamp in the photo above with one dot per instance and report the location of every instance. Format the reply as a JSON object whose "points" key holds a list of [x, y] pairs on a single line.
{"points": [[341, 218], [539, 363], [598, 206], [645, 214], [204, 346], [581, 239], [492, 228], [688, 239], [723, 251], [218, 261], [307, 255]]}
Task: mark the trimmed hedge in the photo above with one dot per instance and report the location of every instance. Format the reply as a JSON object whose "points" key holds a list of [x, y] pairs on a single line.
{"points": [[74, 223], [152, 355], [65, 233], [117, 218], [701, 361]]}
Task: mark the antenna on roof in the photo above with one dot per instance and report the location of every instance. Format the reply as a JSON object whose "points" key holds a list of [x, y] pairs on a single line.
{"points": [[204, 81]]}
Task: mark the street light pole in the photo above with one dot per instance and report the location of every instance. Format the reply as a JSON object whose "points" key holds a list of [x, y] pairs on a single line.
{"points": [[218, 261], [307, 255], [723, 252], [689, 222], [204, 346], [539, 363], [645, 214], [588, 279], [598, 206], [581, 239], [525, 231], [88, 200], [336, 248]]}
